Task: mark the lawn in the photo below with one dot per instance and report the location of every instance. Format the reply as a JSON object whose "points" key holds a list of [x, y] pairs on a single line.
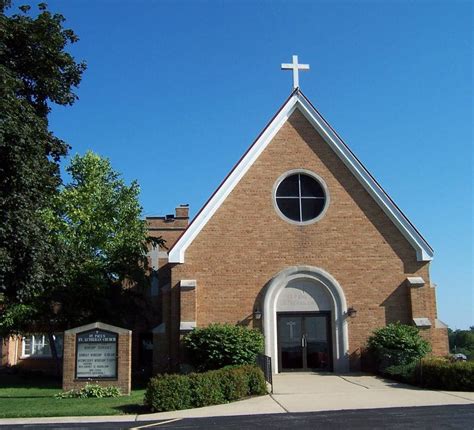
{"points": [[34, 397]]}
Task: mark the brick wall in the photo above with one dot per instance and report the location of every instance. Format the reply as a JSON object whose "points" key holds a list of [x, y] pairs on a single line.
{"points": [[246, 243], [170, 229]]}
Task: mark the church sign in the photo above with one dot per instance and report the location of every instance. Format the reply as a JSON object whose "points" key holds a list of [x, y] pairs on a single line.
{"points": [[96, 354]]}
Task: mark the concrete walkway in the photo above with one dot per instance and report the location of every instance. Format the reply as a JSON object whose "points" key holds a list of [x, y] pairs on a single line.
{"points": [[306, 392], [299, 392]]}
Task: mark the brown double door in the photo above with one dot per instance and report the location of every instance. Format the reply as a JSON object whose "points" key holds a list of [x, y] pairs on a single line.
{"points": [[304, 341]]}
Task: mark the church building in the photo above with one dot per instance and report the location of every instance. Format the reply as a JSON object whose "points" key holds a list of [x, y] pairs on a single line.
{"points": [[301, 242]]}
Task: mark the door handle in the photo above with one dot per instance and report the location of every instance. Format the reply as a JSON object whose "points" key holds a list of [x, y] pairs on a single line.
{"points": [[303, 341]]}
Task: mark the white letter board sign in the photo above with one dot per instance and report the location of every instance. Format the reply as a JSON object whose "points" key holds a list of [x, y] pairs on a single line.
{"points": [[96, 354]]}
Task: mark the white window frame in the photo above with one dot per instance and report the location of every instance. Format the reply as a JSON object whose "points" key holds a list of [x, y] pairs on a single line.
{"points": [[300, 172], [34, 338]]}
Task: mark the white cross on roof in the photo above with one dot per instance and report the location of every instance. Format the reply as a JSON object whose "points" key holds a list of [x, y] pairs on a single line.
{"points": [[296, 68]]}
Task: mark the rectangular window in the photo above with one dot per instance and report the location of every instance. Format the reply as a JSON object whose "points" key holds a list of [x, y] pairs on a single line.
{"points": [[26, 346], [37, 345]]}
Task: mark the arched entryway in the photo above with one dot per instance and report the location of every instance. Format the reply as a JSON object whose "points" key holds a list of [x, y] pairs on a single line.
{"points": [[309, 302]]}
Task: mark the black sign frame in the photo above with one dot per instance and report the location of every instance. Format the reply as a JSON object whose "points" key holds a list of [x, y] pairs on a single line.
{"points": [[109, 378]]}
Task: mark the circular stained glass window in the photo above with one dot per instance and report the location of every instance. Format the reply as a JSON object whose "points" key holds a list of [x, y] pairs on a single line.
{"points": [[300, 197]]}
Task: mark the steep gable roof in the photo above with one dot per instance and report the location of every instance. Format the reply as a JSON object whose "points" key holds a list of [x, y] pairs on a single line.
{"points": [[297, 100]]}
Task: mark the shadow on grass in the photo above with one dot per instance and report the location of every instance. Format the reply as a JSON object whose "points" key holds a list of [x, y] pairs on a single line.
{"points": [[29, 381], [27, 397], [133, 409]]}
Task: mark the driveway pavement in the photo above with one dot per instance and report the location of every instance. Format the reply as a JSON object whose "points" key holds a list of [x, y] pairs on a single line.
{"points": [[423, 417], [300, 392]]}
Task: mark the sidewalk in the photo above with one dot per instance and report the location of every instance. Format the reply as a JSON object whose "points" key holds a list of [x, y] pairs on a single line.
{"points": [[298, 392], [319, 392]]}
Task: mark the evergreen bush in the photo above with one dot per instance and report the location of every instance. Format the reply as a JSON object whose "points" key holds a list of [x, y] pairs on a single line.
{"points": [[220, 345]]}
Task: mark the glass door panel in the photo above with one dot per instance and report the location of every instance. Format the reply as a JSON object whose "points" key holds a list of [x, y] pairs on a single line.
{"points": [[290, 331], [317, 342]]}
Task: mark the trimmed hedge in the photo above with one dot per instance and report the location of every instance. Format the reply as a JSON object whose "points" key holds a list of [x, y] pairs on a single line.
{"points": [[447, 375], [173, 392], [206, 389], [169, 393], [438, 373]]}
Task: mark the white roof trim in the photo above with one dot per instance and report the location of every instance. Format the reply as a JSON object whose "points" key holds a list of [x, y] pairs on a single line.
{"points": [[298, 101]]}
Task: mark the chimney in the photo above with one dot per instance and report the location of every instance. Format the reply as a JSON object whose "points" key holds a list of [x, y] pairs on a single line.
{"points": [[182, 211]]}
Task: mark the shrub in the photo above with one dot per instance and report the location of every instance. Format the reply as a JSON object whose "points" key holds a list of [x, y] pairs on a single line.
{"points": [[256, 381], [206, 389], [220, 345], [397, 344], [172, 392], [446, 375], [90, 390], [436, 372], [403, 372], [234, 383], [168, 393]]}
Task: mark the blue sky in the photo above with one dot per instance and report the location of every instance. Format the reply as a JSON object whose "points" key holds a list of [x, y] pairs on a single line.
{"points": [[176, 91]]}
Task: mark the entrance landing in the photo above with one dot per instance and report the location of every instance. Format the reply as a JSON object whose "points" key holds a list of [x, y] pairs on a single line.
{"points": [[306, 392]]}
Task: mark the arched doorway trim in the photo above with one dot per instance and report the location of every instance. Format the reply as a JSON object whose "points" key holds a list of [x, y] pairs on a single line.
{"points": [[339, 312]]}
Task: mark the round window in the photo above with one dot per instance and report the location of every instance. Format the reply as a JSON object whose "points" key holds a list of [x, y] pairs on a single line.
{"points": [[300, 197]]}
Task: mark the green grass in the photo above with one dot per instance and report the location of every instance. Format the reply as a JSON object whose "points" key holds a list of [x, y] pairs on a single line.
{"points": [[22, 397]]}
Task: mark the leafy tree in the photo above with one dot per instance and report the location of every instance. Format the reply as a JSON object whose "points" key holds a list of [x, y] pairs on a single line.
{"points": [[462, 341], [96, 224], [35, 72], [96, 220]]}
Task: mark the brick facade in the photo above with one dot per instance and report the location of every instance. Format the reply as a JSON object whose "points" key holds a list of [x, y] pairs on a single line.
{"points": [[169, 228], [246, 243]]}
